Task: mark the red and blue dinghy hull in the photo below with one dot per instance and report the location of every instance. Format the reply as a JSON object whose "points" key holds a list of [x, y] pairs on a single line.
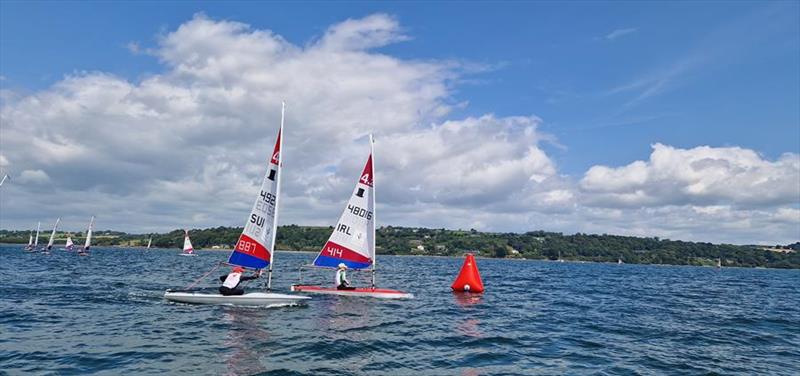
{"points": [[364, 292]]}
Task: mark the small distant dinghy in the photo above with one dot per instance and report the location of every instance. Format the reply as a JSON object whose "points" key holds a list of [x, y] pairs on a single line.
{"points": [[31, 245], [187, 245], [353, 241], [70, 245], [149, 242], [85, 250], [49, 246], [255, 248]]}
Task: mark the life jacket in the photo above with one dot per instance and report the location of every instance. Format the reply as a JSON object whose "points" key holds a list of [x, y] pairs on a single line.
{"points": [[232, 280], [341, 277]]}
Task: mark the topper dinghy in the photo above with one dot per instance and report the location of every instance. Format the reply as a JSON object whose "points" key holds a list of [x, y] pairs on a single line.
{"points": [[47, 249], [255, 248], [70, 245], [30, 246], [352, 242], [188, 250], [85, 250], [36, 239]]}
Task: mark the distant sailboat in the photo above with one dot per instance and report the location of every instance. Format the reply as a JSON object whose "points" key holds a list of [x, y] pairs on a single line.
{"points": [[85, 250], [187, 245], [36, 240], [52, 237], [559, 257], [619, 261], [29, 247], [70, 245], [719, 263], [149, 242], [352, 242]]}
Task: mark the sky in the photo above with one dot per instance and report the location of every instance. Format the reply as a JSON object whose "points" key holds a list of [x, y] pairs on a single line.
{"points": [[678, 120]]}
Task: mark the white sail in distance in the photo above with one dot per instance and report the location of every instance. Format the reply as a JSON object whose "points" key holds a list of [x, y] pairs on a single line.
{"points": [[89, 235], [53, 235]]}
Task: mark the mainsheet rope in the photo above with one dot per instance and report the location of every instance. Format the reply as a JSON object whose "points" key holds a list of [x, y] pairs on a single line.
{"points": [[193, 284]]}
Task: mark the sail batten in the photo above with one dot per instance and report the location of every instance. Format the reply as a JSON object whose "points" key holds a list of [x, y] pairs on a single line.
{"points": [[255, 246], [353, 239]]}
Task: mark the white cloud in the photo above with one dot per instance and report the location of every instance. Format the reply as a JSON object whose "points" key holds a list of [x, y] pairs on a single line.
{"points": [[33, 177], [185, 148], [699, 176], [618, 33]]}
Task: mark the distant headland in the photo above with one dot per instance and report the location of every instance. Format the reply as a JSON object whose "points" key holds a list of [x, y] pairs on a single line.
{"points": [[539, 245]]}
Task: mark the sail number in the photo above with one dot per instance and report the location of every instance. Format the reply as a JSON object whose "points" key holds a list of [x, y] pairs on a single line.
{"points": [[361, 212], [268, 197], [246, 246]]}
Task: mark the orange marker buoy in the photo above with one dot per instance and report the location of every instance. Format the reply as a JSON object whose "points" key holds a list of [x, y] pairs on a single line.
{"points": [[469, 279]]}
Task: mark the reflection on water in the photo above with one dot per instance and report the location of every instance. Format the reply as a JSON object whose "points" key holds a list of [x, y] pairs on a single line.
{"points": [[469, 328], [243, 339], [466, 299]]}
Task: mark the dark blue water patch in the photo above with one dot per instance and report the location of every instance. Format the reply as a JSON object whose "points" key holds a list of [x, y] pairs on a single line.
{"points": [[62, 314]]}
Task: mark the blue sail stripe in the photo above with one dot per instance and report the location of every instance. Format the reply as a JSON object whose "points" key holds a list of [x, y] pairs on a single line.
{"points": [[247, 261], [332, 262]]}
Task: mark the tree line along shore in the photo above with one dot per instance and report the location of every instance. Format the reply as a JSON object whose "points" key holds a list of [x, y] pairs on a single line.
{"points": [[540, 245]]}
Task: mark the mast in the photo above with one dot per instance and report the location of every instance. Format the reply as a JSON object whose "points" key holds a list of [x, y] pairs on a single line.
{"points": [[277, 199], [374, 209], [38, 227]]}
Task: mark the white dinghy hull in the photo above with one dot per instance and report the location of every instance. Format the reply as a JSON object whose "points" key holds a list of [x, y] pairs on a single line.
{"points": [[188, 254], [248, 299]]}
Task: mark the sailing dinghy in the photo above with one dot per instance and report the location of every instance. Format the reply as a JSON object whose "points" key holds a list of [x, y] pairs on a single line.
{"points": [[353, 240], [149, 242], [70, 245], [30, 246], [187, 245], [255, 248], [47, 249], [36, 239], [85, 250]]}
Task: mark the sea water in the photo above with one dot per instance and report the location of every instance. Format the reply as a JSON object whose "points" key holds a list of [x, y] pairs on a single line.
{"points": [[105, 314]]}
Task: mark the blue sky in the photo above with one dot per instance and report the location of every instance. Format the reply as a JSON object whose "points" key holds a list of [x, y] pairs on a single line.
{"points": [[607, 79], [556, 61]]}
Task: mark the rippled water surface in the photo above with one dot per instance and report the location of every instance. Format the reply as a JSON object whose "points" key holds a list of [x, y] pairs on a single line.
{"points": [[63, 314]]}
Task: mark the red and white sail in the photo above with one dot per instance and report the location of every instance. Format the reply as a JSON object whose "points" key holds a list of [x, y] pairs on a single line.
{"points": [[187, 244], [353, 240], [255, 248], [89, 235]]}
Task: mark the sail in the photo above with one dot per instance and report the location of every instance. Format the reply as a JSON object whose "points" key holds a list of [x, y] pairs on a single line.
{"points": [[30, 240], [53, 235], [187, 244], [38, 227], [353, 240], [256, 244], [89, 235], [69, 244], [149, 242]]}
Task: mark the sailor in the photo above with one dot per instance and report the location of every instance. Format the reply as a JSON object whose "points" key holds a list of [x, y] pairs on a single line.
{"points": [[341, 278], [230, 282]]}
